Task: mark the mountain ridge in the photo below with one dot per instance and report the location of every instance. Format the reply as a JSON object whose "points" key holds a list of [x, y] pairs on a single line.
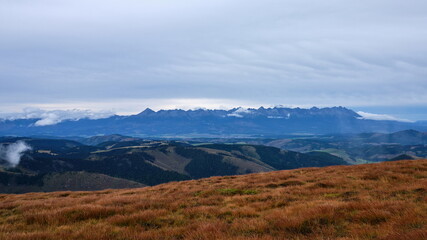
{"points": [[274, 121]]}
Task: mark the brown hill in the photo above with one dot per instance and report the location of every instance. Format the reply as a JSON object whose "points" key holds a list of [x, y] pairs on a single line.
{"points": [[67, 181], [375, 201]]}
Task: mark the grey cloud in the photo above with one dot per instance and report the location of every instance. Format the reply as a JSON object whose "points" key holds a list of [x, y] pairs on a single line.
{"points": [[277, 52]]}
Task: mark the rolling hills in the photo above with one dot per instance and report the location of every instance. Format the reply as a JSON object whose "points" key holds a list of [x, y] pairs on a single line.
{"points": [[146, 162], [373, 201], [357, 148]]}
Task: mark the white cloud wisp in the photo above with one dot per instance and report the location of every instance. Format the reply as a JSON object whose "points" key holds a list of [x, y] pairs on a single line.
{"points": [[373, 116], [52, 117], [12, 153]]}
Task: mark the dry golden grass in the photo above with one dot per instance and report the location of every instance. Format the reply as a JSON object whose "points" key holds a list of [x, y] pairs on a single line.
{"points": [[375, 201]]}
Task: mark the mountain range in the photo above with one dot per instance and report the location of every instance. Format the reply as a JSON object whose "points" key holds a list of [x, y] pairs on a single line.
{"points": [[277, 121]]}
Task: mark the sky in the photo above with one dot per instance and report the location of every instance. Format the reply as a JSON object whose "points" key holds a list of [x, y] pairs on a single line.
{"points": [[98, 57]]}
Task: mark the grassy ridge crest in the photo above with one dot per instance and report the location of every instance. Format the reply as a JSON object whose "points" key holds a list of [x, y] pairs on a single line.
{"points": [[373, 201]]}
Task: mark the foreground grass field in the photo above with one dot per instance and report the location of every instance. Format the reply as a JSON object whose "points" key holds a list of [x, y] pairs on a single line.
{"points": [[373, 201]]}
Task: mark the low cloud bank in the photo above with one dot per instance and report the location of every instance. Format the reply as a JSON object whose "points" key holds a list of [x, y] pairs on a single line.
{"points": [[56, 116], [373, 116], [239, 112], [12, 153]]}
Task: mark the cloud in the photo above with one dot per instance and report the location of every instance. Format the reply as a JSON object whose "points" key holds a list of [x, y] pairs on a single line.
{"points": [[373, 116], [56, 116], [239, 112], [13, 152], [271, 52]]}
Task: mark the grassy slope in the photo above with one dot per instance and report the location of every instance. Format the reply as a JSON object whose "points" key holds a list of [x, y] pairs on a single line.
{"points": [[374, 201]]}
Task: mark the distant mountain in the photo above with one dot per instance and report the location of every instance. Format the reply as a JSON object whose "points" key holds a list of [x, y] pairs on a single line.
{"points": [[406, 137], [359, 148], [95, 140], [277, 121], [143, 162]]}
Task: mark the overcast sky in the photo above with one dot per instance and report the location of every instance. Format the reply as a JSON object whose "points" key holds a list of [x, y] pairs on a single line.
{"points": [[123, 56]]}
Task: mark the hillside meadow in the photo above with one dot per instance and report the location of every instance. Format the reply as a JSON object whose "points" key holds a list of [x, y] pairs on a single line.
{"points": [[373, 201]]}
